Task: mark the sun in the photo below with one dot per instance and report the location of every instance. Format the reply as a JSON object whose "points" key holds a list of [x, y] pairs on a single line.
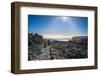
{"points": [[65, 18]]}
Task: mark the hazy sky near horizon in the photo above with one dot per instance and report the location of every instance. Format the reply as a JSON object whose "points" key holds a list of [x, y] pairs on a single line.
{"points": [[67, 25]]}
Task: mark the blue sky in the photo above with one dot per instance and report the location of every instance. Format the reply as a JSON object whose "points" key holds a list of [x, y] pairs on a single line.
{"points": [[58, 24]]}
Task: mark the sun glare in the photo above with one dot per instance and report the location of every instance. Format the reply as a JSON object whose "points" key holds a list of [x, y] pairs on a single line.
{"points": [[64, 18]]}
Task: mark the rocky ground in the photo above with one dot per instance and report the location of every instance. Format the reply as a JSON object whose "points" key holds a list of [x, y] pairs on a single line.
{"points": [[56, 50], [68, 51]]}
